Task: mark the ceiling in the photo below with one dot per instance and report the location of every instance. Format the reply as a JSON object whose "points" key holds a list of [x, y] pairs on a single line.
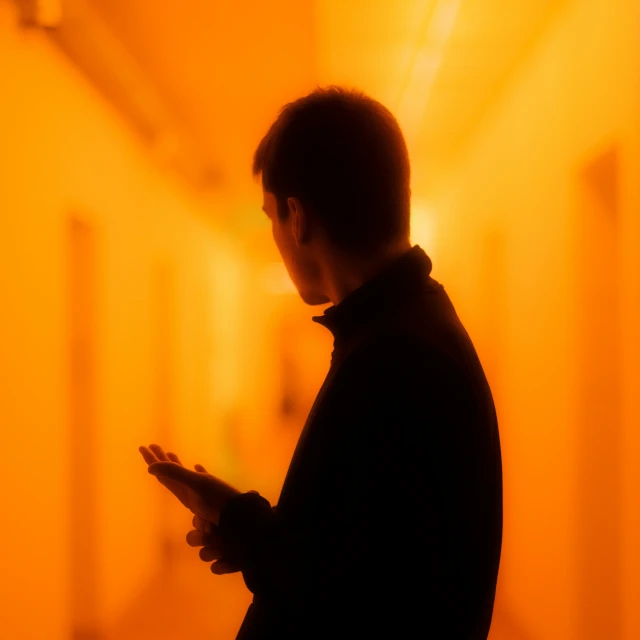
{"points": [[225, 68], [488, 42]]}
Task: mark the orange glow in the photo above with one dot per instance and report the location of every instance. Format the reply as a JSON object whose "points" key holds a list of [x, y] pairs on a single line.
{"points": [[143, 299]]}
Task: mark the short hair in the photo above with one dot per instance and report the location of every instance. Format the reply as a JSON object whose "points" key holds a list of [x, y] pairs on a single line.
{"points": [[343, 155]]}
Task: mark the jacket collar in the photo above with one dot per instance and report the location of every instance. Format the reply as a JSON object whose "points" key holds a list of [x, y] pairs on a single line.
{"points": [[380, 296]]}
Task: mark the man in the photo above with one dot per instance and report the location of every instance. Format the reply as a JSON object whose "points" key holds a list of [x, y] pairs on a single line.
{"points": [[389, 523]]}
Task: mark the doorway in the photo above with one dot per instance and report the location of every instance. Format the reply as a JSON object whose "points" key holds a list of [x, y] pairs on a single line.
{"points": [[599, 402], [83, 457]]}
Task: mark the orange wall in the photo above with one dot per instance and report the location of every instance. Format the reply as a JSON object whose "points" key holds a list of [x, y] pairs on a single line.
{"points": [[509, 218], [65, 151], [189, 343]]}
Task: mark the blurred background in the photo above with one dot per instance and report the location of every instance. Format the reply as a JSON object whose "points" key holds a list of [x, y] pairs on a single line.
{"points": [[143, 299]]}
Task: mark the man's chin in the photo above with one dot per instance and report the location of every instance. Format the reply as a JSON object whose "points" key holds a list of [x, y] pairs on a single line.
{"points": [[314, 299]]}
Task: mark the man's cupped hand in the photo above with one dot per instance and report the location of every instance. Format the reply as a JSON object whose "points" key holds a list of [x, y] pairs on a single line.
{"points": [[203, 494]]}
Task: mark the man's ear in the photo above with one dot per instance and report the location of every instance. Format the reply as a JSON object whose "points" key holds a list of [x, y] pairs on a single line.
{"points": [[299, 221]]}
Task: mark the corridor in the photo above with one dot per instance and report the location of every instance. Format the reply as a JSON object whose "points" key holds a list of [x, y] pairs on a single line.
{"points": [[144, 299]]}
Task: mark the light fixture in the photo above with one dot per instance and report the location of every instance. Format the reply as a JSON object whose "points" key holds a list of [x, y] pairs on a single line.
{"points": [[81, 33], [426, 63]]}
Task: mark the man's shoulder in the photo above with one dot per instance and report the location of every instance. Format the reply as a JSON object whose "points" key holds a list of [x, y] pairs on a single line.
{"points": [[398, 353], [405, 376]]}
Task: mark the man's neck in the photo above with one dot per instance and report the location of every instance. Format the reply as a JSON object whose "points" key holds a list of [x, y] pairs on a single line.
{"points": [[343, 275]]}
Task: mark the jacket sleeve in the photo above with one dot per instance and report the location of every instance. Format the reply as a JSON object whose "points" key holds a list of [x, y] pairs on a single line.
{"points": [[247, 526]]}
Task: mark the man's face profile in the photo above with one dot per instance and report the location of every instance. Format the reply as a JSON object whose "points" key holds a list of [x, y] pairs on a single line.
{"points": [[299, 255]]}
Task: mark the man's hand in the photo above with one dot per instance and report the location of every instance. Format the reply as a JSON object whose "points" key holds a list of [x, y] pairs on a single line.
{"points": [[203, 494], [205, 535]]}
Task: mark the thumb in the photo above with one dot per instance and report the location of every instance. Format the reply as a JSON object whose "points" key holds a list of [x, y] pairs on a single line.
{"points": [[174, 471]]}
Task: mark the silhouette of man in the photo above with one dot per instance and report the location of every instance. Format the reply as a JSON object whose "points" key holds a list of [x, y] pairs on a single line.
{"points": [[389, 522]]}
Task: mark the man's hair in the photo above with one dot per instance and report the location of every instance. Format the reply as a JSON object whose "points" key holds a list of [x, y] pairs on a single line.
{"points": [[344, 156]]}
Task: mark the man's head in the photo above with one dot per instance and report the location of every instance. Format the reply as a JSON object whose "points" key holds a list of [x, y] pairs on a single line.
{"points": [[335, 177]]}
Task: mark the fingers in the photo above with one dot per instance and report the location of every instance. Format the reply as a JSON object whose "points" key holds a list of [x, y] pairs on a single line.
{"points": [[155, 453], [207, 554], [148, 455], [202, 525], [210, 544], [221, 567], [175, 471], [159, 451], [197, 538]]}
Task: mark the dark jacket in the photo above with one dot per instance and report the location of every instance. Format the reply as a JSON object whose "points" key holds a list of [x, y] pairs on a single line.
{"points": [[389, 523]]}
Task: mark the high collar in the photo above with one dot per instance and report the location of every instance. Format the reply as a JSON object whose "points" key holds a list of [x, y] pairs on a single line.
{"points": [[398, 282]]}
